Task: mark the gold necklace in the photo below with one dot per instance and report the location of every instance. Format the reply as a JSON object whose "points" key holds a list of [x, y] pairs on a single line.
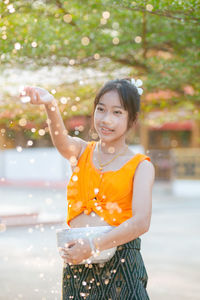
{"points": [[103, 165]]}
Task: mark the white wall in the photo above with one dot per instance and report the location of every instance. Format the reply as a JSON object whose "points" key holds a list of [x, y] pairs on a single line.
{"points": [[187, 188], [34, 164], [38, 164]]}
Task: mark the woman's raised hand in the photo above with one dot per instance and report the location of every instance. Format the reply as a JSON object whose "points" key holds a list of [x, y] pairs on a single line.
{"points": [[36, 95]]}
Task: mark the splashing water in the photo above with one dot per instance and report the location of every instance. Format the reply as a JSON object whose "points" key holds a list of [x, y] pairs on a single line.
{"points": [[44, 95]]}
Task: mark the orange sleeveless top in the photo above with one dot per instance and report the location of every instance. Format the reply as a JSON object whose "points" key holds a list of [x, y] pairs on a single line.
{"points": [[108, 194]]}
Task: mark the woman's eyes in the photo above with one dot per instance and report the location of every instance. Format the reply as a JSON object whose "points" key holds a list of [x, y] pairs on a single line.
{"points": [[116, 111]]}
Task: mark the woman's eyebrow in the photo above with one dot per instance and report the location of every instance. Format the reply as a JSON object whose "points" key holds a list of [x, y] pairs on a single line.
{"points": [[112, 106]]}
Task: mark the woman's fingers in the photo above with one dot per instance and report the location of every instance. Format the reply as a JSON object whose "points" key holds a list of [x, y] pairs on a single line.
{"points": [[26, 92], [64, 254], [68, 258], [37, 96], [33, 96], [70, 244], [31, 92]]}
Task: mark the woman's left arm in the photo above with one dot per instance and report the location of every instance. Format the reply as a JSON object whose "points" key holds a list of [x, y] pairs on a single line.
{"points": [[139, 223]]}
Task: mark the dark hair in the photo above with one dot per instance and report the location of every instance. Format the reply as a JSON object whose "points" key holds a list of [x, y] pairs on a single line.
{"points": [[129, 97]]}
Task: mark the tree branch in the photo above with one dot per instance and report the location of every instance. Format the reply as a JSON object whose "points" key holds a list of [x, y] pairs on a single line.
{"points": [[159, 13], [144, 31], [60, 5]]}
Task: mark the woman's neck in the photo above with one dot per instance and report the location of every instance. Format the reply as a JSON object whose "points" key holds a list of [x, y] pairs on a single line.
{"points": [[112, 147]]}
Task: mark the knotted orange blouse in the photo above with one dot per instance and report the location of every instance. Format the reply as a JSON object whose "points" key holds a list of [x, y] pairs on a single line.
{"points": [[108, 194]]}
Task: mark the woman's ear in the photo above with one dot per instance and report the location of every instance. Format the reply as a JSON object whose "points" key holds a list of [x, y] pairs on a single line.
{"points": [[135, 121], [136, 118]]}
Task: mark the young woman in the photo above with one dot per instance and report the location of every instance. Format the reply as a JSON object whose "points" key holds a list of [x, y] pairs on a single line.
{"points": [[110, 185]]}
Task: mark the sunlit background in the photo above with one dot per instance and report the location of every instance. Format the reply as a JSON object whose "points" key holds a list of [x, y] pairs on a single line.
{"points": [[71, 48]]}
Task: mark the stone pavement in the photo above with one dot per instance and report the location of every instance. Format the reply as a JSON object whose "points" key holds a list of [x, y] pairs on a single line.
{"points": [[31, 268]]}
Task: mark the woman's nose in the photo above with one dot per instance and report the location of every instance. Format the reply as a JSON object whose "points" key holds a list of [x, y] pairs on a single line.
{"points": [[107, 118]]}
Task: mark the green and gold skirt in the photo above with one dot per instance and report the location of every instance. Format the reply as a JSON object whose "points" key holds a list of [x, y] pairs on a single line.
{"points": [[123, 277]]}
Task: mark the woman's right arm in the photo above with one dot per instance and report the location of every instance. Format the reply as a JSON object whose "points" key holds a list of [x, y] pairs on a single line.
{"points": [[67, 146]]}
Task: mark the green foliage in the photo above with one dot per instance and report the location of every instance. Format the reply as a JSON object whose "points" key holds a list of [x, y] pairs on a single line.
{"points": [[158, 38]]}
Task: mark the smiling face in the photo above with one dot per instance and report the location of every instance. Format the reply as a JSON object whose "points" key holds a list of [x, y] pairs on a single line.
{"points": [[110, 118]]}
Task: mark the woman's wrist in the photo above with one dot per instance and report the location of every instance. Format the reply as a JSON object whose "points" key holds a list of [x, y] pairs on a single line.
{"points": [[51, 105], [94, 250]]}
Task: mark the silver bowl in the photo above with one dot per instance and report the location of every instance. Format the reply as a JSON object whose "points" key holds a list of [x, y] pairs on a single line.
{"points": [[66, 235]]}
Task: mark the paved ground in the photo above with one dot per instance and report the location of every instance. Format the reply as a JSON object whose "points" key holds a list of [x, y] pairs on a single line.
{"points": [[31, 268]]}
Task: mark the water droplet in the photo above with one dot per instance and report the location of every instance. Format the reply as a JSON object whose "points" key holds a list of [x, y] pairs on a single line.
{"points": [[149, 7], [75, 178], [2, 227], [34, 44], [76, 132], [11, 8], [17, 46], [138, 39], [32, 160], [63, 100], [106, 281], [115, 41], [113, 271], [29, 143], [3, 130], [111, 150], [67, 18], [71, 62], [96, 190], [19, 149], [22, 122], [106, 14], [41, 132], [85, 41], [74, 108]]}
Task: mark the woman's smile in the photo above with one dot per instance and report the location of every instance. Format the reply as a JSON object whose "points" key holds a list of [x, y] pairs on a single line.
{"points": [[105, 130]]}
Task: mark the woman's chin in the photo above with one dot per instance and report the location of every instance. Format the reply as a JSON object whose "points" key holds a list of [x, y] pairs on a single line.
{"points": [[106, 138]]}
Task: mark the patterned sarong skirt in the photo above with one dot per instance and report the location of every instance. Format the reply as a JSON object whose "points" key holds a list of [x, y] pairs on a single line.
{"points": [[122, 277]]}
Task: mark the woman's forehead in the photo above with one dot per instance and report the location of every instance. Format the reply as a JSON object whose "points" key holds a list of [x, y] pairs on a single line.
{"points": [[110, 99]]}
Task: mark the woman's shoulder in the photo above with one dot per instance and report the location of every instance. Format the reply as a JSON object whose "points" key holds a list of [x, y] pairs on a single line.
{"points": [[85, 145], [140, 156], [145, 168], [142, 160]]}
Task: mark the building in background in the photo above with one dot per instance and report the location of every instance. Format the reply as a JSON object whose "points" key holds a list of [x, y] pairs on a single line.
{"points": [[172, 141]]}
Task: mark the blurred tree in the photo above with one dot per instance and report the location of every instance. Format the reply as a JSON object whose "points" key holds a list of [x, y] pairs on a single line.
{"points": [[159, 39]]}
